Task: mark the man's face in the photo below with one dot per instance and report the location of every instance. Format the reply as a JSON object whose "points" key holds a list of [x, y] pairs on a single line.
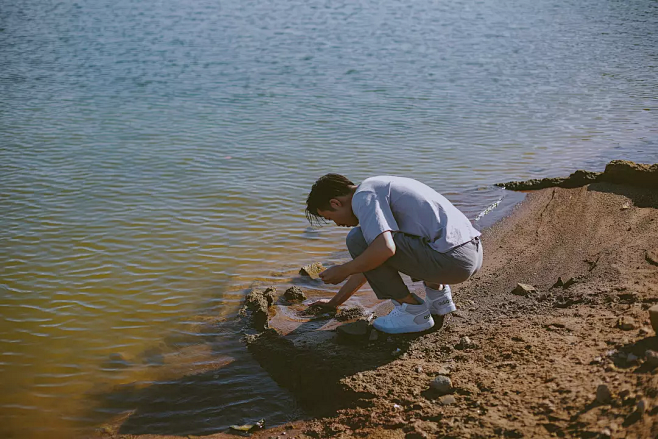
{"points": [[342, 214]]}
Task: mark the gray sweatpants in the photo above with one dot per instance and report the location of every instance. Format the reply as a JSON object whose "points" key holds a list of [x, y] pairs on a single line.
{"points": [[415, 258]]}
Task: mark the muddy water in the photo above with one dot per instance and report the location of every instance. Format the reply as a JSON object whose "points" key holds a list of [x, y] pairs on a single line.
{"points": [[154, 160]]}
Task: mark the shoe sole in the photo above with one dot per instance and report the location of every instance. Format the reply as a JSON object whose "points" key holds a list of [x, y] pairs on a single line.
{"points": [[407, 329]]}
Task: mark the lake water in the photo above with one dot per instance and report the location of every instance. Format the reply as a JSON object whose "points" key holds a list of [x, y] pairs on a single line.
{"points": [[155, 158]]}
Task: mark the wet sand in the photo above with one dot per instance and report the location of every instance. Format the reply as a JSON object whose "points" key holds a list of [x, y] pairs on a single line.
{"points": [[532, 363]]}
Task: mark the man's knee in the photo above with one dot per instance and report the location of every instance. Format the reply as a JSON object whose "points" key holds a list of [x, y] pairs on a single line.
{"points": [[356, 243]]}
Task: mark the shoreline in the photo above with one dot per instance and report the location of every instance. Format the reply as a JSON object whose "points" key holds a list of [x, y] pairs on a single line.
{"points": [[533, 363]]}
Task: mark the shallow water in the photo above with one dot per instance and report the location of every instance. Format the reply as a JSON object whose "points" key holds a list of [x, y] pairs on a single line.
{"points": [[155, 158]]}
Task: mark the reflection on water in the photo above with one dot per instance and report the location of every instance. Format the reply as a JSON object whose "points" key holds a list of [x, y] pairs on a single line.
{"points": [[154, 161]]}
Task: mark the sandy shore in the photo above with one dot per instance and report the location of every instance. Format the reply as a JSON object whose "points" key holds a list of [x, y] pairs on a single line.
{"points": [[532, 363]]}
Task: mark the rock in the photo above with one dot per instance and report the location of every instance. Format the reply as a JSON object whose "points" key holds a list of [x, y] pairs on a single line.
{"points": [[418, 369], [354, 330], [653, 315], [643, 331], [603, 394], [577, 179], [447, 400], [631, 358], [374, 335], [617, 171], [294, 294], [443, 370], [465, 343], [254, 299], [651, 257], [353, 312], [634, 174], [397, 352], [564, 283], [641, 406], [606, 432], [651, 358], [626, 323], [312, 270], [442, 384], [523, 290], [257, 303]]}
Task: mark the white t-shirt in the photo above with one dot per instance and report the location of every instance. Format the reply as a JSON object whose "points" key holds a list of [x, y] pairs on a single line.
{"points": [[405, 205]]}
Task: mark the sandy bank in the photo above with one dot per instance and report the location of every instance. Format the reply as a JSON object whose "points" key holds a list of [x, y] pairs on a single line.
{"points": [[532, 364]]}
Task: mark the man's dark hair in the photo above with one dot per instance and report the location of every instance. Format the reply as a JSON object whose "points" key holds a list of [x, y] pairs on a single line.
{"points": [[327, 187]]}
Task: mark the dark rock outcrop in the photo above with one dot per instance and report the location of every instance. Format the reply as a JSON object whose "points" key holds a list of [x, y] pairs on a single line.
{"points": [[617, 171]]}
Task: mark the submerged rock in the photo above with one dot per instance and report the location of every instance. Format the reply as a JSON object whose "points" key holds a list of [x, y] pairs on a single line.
{"points": [[116, 361], [294, 294], [312, 270]]}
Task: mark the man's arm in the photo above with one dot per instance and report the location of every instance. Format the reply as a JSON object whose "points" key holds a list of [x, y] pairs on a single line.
{"points": [[352, 285], [378, 252]]}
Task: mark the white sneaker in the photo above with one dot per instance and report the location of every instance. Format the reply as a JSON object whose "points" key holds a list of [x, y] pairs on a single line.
{"points": [[440, 301], [405, 318]]}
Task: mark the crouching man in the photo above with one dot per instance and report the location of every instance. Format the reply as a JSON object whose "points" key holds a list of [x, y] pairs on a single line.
{"points": [[405, 227]]}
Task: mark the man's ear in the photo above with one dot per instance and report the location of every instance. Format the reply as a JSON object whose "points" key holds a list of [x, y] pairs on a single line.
{"points": [[335, 203]]}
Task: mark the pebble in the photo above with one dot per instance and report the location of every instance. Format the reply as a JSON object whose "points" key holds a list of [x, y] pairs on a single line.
{"points": [[631, 358], [465, 343], [523, 290], [626, 323], [396, 352], [653, 315], [447, 400], [443, 371], [603, 394], [442, 384], [652, 358], [643, 331], [419, 369], [641, 406], [606, 432], [374, 335]]}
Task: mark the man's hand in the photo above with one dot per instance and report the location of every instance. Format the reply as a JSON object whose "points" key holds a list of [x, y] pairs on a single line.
{"points": [[334, 275]]}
